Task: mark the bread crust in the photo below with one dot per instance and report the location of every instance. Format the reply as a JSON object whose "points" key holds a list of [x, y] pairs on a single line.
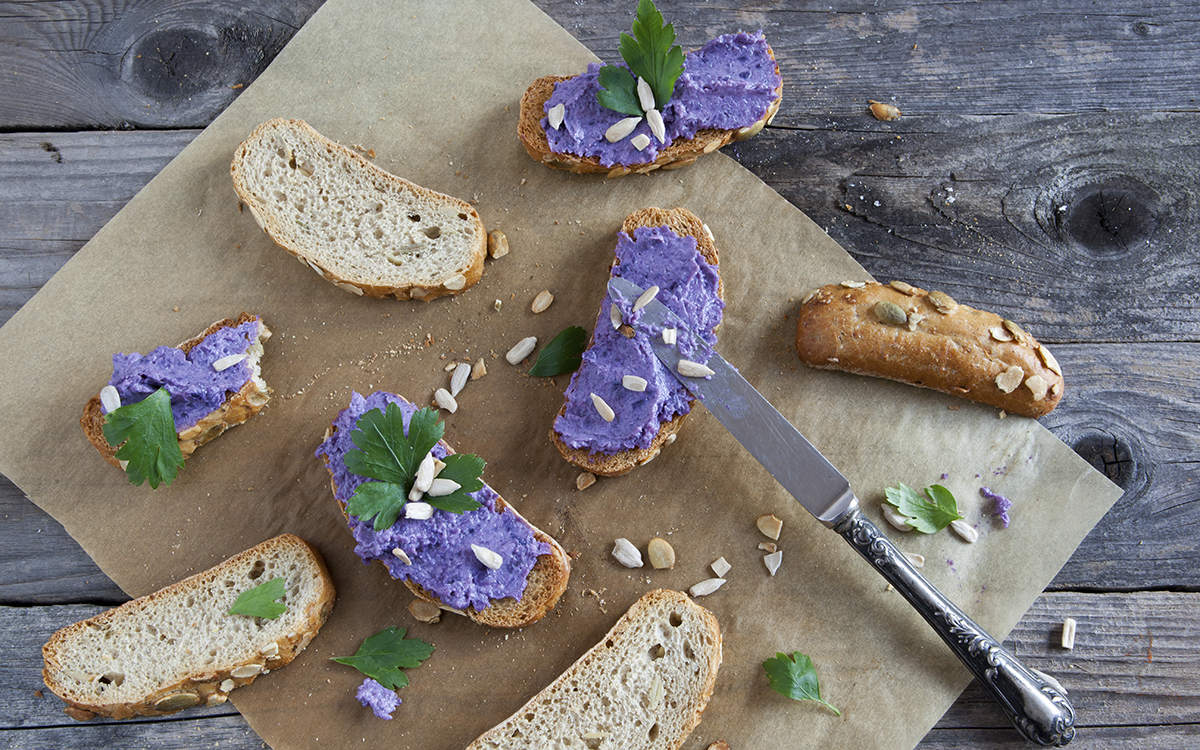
{"points": [[265, 215], [205, 683], [679, 154], [961, 352], [585, 681], [546, 582], [684, 223], [237, 407]]}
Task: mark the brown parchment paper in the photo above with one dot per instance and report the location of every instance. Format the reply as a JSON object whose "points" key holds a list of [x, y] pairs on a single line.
{"points": [[432, 88]]}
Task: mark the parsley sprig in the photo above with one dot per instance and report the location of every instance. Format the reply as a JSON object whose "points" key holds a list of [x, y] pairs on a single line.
{"points": [[795, 677], [383, 655], [390, 455], [563, 354], [260, 600], [145, 434], [650, 55], [927, 516]]}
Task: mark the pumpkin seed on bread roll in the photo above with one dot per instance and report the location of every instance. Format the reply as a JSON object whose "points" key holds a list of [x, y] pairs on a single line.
{"points": [[925, 338]]}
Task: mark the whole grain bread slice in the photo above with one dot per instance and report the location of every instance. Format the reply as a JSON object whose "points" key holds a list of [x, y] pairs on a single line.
{"points": [[179, 647], [237, 407], [642, 687], [360, 227], [683, 223]]}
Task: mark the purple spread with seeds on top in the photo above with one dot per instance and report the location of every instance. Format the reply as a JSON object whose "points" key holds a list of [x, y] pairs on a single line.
{"points": [[439, 547], [728, 83], [195, 387], [654, 256]]}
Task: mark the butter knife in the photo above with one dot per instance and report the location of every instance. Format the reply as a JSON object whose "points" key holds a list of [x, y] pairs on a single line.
{"points": [[1036, 704]]}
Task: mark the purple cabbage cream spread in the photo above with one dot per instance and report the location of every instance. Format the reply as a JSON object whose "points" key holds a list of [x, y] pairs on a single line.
{"points": [[439, 548], [196, 388], [728, 83], [654, 256]]}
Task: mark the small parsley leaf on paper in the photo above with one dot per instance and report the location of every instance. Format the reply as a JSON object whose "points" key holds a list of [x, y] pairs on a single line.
{"points": [[927, 516], [650, 55], [383, 655], [563, 354], [260, 600], [795, 677], [147, 440], [389, 455]]}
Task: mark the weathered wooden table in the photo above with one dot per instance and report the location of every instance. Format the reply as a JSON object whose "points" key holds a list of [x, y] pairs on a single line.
{"points": [[1046, 166]]}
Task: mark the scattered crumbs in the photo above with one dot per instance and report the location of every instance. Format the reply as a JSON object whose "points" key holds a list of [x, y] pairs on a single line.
{"points": [[945, 475], [1001, 505]]}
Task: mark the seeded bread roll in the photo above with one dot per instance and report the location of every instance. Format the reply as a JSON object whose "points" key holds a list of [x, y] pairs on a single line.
{"points": [[365, 230], [642, 687], [683, 223], [237, 408], [179, 647], [899, 332]]}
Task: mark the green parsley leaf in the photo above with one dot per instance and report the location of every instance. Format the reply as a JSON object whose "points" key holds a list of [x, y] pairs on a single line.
{"points": [[926, 516], [383, 655], [260, 600], [649, 54], [563, 354], [147, 440], [385, 452], [795, 677], [619, 91]]}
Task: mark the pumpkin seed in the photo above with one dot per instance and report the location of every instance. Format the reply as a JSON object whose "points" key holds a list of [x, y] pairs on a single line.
{"points": [[1049, 360], [418, 511], [425, 611], [770, 525], [585, 480], [661, 554], [177, 702], [455, 283], [497, 244], [890, 313], [1008, 380], [944, 303], [1038, 386], [1000, 333], [885, 112], [542, 301], [246, 670]]}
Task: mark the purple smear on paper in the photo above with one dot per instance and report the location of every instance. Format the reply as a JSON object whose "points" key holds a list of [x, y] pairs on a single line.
{"points": [[378, 698], [1002, 504]]}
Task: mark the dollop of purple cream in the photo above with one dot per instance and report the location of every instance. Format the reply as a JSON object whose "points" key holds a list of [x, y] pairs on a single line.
{"points": [[378, 698], [653, 256], [439, 547], [196, 388], [728, 83], [1001, 505]]}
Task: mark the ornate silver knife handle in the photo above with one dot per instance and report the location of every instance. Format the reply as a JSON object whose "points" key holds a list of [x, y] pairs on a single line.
{"points": [[1039, 710]]}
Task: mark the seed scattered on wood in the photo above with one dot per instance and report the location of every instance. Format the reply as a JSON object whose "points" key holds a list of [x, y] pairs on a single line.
{"points": [[425, 611], [555, 115], [773, 561], [497, 244], [602, 407], [418, 511], [633, 383], [621, 128], [224, 363], [770, 525], [444, 400], [521, 350], [917, 560], [627, 554], [462, 371], [478, 370], [661, 554], [402, 556], [895, 517], [690, 369], [964, 530], [110, 399], [890, 313], [542, 301], [1008, 380], [885, 112], [706, 587], [1068, 633], [442, 487], [585, 480], [486, 556], [645, 297], [720, 566]]}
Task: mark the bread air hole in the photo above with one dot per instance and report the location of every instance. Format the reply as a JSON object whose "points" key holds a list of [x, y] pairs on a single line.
{"points": [[657, 651], [432, 232], [257, 569], [653, 733], [676, 619]]}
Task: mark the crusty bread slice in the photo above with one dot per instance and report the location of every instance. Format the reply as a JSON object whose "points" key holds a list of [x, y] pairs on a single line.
{"points": [[367, 231], [679, 154], [683, 223], [179, 647], [642, 687], [238, 407]]}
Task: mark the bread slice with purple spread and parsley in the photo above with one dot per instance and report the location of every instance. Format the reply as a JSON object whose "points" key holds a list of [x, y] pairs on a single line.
{"points": [[622, 405], [421, 509]]}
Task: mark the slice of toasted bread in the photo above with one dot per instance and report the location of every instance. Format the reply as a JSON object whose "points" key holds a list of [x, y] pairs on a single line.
{"points": [[365, 230], [683, 223], [237, 408], [642, 687], [680, 153], [179, 647], [544, 584]]}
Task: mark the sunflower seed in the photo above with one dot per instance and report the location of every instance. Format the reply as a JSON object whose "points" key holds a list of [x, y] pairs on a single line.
{"points": [[1049, 359], [655, 120], [1068, 633], [110, 399], [773, 561], [1008, 380], [903, 287], [555, 115], [964, 530], [497, 244], [770, 525], [444, 400], [523, 349], [400, 555], [584, 480], [890, 313], [1037, 386], [626, 553], [542, 301], [669, 336], [486, 556], [645, 297], [640, 141], [425, 473], [634, 383], [478, 370], [462, 371], [603, 408], [720, 566], [917, 560], [614, 315], [661, 554], [224, 363], [418, 511], [1049, 680], [706, 587], [442, 487], [621, 128], [690, 369], [645, 94], [1017, 331], [895, 517]]}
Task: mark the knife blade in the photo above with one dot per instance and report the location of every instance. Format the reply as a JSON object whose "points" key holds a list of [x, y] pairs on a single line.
{"points": [[1036, 704]]}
